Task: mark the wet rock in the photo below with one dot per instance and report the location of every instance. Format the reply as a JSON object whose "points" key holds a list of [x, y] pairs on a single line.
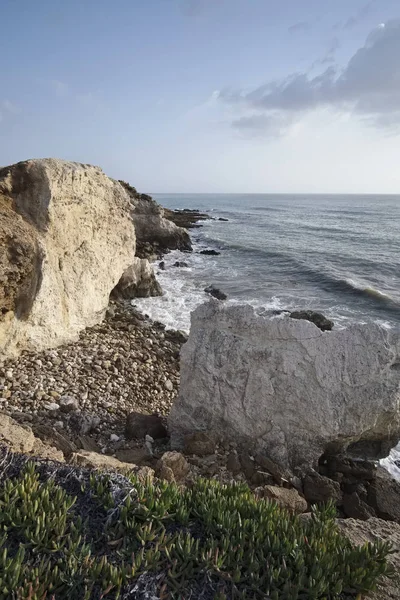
{"points": [[199, 443], [314, 317], [139, 425], [215, 292], [137, 281], [288, 498], [162, 265], [222, 219], [319, 489], [180, 263], [175, 463], [210, 252]]}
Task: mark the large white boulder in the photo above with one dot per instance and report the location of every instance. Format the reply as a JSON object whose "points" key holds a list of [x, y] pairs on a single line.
{"points": [[66, 236], [284, 388]]}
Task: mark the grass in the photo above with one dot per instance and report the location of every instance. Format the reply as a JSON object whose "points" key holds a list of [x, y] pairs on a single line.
{"points": [[117, 537]]}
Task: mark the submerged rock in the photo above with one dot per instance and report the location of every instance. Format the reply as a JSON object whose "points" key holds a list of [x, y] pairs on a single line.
{"points": [[210, 252], [286, 389]]}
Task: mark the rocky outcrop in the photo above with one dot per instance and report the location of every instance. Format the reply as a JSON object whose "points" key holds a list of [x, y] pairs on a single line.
{"points": [[317, 318], [286, 389], [153, 230], [137, 281], [66, 238]]}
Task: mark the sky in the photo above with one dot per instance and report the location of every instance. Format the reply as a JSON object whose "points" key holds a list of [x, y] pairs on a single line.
{"points": [[207, 96]]}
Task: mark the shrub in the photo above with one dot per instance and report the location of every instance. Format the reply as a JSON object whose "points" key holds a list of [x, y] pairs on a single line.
{"points": [[211, 539]]}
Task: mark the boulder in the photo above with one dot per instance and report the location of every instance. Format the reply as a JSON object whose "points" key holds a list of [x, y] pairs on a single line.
{"points": [[173, 466], [17, 438], [286, 389], [210, 252], [138, 425], [152, 227], [314, 317], [180, 263], [92, 460], [288, 498], [384, 496], [319, 489], [137, 281], [215, 292], [199, 443], [66, 237]]}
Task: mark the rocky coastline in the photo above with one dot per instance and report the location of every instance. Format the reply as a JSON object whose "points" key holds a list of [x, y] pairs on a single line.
{"points": [[99, 394]]}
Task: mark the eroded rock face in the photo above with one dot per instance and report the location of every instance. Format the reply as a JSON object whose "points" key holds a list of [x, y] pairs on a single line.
{"points": [[152, 227], [138, 281], [66, 237], [285, 388]]}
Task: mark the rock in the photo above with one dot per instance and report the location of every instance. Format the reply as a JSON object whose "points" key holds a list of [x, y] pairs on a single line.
{"points": [[83, 423], [199, 443], [222, 219], [314, 317], [138, 456], [152, 227], [372, 531], [175, 463], [114, 438], [177, 336], [52, 437], [68, 404], [210, 252], [47, 452], [233, 463], [384, 496], [92, 460], [169, 385], [288, 391], [139, 425], [288, 498], [186, 218], [61, 223], [51, 406], [356, 508], [17, 438], [215, 292], [278, 472], [162, 265], [180, 263], [319, 489], [137, 281]]}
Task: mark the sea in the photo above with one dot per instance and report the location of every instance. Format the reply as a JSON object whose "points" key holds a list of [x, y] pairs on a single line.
{"points": [[336, 254]]}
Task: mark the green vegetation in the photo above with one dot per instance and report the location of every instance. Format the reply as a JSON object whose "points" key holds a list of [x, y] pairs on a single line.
{"points": [[211, 539]]}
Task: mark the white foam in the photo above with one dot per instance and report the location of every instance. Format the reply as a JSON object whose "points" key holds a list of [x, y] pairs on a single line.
{"points": [[389, 462]]}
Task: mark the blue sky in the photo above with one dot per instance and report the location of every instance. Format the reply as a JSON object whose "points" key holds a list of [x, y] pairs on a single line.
{"points": [[207, 95]]}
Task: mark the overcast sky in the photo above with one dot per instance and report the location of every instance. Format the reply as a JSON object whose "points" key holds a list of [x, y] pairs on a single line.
{"points": [[207, 95]]}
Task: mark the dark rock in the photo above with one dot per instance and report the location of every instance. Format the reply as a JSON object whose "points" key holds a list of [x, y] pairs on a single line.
{"points": [[199, 443], [356, 508], [180, 263], [233, 463], [317, 318], [186, 218], [384, 496], [248, 465], [215, 292], [138, 281], [139, 425], [176, 336], [210, 252], [278, 473], [162, 265], [222, 219], [318, 489], [357, 469]]}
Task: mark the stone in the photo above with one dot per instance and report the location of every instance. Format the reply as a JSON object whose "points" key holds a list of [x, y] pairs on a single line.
{"points": [[51, 406], [138, 456], [68, 404], [286, 389], [137, 281], [278, 472], [210, 252], [233, 463], [319, 489], [372, 531], [61, 223], [288, 498], [169, 385], [384, 496], [139, 425], [93, 460], [314, 317], [180, 263], [83, 423], [215, 292], [173, 462], [152, 227], [355, 508], [47, 452], [50, 436], [16, 437], [199, 443], [114, 438]]}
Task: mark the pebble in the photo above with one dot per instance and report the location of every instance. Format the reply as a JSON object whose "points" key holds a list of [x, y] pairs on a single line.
{"points": [[114, 438], [132, 373]]}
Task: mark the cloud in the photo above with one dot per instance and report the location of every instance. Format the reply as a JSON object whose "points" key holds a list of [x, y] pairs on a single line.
{"points": [[368, 87], [359, 16], [299, 27]]}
